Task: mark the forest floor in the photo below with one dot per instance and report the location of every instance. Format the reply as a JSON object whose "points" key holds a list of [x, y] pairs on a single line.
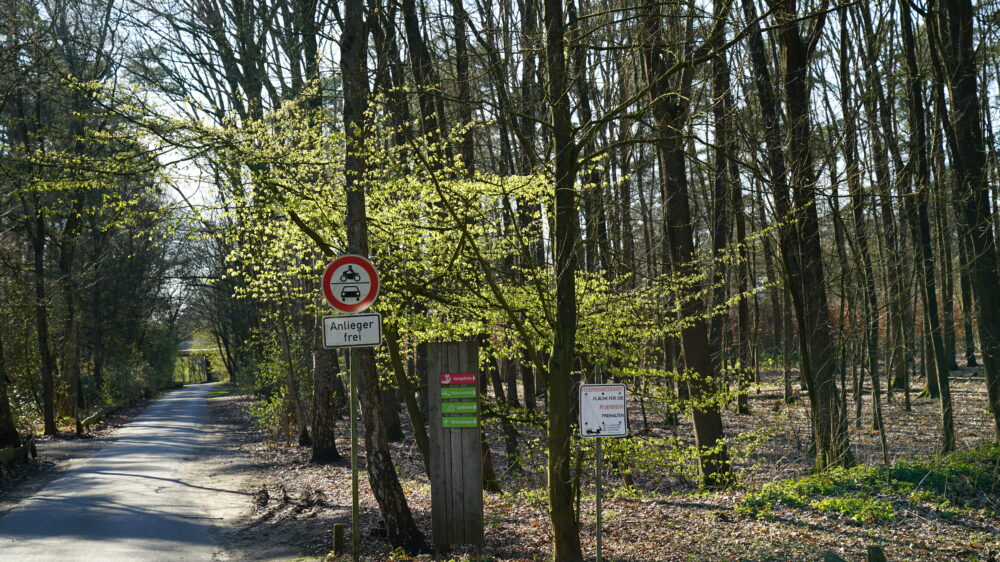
{"points": [[665, 517], [292, 504]]}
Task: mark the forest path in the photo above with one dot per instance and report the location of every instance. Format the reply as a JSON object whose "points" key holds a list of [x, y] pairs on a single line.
{"points": [[159, 491]]}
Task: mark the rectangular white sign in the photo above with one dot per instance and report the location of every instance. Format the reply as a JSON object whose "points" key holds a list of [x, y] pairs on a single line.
{"points": [[356, 330], [603, 411]]}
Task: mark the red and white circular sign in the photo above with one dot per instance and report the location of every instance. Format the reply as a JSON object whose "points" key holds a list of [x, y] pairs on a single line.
{"points": [[350, 283]]}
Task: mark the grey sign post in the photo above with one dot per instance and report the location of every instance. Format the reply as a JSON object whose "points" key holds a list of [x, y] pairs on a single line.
{"points": [[351, 284], [603, 413]]}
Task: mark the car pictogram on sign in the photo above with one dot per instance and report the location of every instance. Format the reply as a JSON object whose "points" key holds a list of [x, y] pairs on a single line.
{"points": [[350, 292]]}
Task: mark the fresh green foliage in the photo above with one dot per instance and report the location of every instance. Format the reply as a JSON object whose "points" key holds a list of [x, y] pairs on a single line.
{"points": [[948, 484], [858, 508]]}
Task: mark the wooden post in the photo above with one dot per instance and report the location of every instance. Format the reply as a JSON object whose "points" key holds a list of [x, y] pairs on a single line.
{"points": [[456, 460], [338, 539]]}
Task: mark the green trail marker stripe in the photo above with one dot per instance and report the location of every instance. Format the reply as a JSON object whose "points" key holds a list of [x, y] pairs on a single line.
{"points": [[460, 392], [458, 407], [458, 421]]}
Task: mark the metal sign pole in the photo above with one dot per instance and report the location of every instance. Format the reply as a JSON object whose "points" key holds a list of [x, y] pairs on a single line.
{"points": [[599, 493], [355, 507]]}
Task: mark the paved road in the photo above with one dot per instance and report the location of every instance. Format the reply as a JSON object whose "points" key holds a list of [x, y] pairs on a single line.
{"points": [[143, 497]]}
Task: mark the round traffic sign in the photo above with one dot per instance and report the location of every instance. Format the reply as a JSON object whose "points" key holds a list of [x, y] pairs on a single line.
{"points": [[350, 283]]}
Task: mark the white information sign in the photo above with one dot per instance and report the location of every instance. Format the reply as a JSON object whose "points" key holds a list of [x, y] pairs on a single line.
{"points": [[603, 412], [357, 330]]}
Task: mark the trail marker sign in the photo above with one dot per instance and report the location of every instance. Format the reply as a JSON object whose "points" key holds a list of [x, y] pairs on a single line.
{"points": [[603, 412], [350, 283], [456, 469]]}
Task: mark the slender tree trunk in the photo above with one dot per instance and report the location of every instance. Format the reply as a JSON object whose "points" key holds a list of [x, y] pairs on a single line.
{"points": [[71, 298], [565, 530], [727, 187], [409, 395], [390, 413], [596, 234], [510, 373], [527, 382], [786, 346], [8, 431], [925, 260], [324, 407], [424, 75], [504, 412], [669, 110], [953, 32], [42, 323], [97, 346], [818, 342], [745, 347], [293, 395], [399, 524], [967, 310], [779, 319], [859, 204], [462, 77]]}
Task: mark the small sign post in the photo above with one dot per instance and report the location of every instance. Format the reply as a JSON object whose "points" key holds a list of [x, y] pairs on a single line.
{"points": [[351, 284], [603, 413]]}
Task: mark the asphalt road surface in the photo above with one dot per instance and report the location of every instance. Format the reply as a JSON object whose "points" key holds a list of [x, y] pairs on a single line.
{"points": [[148, 495]]}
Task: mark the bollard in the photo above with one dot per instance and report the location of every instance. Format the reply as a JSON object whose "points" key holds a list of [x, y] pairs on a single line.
{"points": [[338, 539]]}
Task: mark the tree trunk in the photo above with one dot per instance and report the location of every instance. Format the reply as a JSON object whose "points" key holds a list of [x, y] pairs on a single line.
{"points": [[324, 406], [400, 527], [294, 396], [728, 203], [954, 34], [424, 74], [527, 381], [967, 310], [925, 260], [462, 77], [504, 412], [565, 530], [804, 262], [71, 298], [800, 247], [859, 204], [669, 111], [409, 396], [8, 431], [42, 322], [390, 414]]}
